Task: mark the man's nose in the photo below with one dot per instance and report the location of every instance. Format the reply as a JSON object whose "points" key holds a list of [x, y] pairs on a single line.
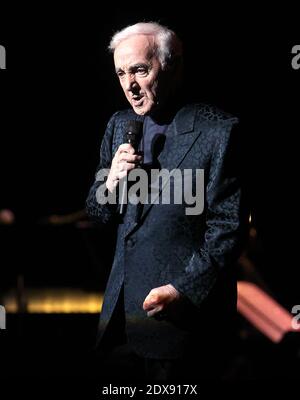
{"points": [[130, 82]]}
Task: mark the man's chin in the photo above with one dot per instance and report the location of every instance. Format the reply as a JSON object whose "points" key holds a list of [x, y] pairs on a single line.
{"points": [[142, 109]]}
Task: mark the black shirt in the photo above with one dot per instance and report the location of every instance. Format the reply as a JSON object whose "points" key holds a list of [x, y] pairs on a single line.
{"points": [[154, 136]]}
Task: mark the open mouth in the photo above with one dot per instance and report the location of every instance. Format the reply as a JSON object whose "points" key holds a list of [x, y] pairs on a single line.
{"points": [[137, 101]]}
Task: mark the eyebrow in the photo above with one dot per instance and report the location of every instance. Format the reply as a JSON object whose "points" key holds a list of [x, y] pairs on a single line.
{"points": [[134, 67]]}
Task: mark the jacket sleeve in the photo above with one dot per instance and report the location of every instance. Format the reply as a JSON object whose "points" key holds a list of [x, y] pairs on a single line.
{"points": [[97, 210], [226, 219]]}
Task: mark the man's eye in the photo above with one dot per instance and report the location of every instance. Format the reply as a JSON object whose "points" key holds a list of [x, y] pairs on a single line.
{"points": [[120, 74], [141, 70]]}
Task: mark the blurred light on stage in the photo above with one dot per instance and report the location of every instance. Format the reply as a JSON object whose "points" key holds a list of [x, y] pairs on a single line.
{"points": [[53, 300]]}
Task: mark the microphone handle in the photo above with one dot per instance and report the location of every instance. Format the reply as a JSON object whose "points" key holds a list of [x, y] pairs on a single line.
{"points": [[123, 185]]}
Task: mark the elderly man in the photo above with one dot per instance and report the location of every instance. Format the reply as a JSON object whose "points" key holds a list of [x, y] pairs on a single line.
{"points": [[170, 300]]}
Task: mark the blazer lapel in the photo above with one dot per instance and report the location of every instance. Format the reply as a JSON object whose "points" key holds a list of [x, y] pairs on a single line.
{"points": [[180, 138]]}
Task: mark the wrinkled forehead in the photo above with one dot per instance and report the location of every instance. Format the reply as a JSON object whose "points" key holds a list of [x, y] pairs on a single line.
{"points": [[134, 49]]}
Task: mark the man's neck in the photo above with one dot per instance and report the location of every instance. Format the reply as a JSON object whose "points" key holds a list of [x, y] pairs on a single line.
{"points": [[165, 115]]}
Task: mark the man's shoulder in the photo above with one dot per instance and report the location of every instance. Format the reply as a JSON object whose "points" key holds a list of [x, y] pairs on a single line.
{"points": [[211, 114]]}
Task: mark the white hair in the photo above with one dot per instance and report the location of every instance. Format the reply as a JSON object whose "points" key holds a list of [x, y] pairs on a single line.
{"points": [[167, 45]]}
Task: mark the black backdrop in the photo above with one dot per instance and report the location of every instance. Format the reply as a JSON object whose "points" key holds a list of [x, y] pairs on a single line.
{"points": [[56, 96], [59, 91]]}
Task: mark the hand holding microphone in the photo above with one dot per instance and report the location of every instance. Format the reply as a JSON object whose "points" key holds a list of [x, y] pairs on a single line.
{"points": [[125, 160]]}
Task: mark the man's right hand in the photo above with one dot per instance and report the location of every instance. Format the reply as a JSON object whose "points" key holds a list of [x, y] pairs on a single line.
{"points": [[123, 161]]}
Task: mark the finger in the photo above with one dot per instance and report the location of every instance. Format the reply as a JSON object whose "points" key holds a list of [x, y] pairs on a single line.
{"points": [[147, 306], [121, 166], [132, 158], [154, 311], [151, 313], [127, 148], [152, 300], [125, 167], [123, 174]]}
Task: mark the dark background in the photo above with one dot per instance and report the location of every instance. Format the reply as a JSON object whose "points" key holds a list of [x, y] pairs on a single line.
{"points": [[59, 91]]}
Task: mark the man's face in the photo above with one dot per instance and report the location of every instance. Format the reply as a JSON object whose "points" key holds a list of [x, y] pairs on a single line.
{"points": [[140, 73]]}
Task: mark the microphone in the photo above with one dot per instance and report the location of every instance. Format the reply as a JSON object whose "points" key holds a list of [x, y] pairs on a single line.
{"points": [[133, 134]]}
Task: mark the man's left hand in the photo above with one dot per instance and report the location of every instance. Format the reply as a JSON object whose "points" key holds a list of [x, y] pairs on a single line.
{"points": [[159, 298]]}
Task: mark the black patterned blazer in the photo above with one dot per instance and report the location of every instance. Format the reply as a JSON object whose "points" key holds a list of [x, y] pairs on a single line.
{"points": [[195, 253]]}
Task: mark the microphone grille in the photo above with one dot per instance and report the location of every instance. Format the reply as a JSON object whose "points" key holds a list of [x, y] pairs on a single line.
{"points": [[134, 127]]}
